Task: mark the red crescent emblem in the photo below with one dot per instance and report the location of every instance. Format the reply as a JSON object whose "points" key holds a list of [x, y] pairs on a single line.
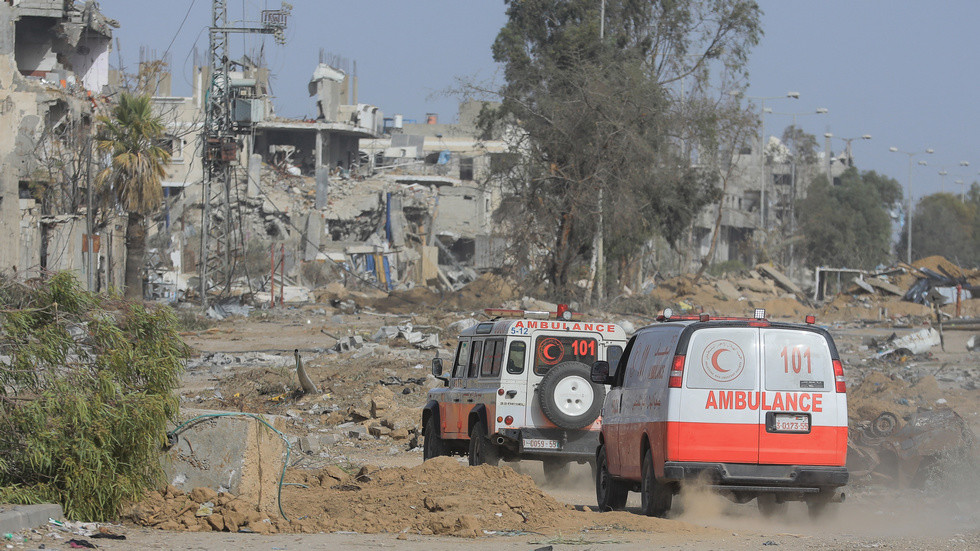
{"points": [[551, 351], [714, 360]]}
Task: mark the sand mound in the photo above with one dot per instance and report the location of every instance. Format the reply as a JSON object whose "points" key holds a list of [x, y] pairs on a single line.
{"points": [[441, 496]]}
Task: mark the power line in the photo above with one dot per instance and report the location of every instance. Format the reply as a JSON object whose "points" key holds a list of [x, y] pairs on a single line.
{"points": [[174, 39]]}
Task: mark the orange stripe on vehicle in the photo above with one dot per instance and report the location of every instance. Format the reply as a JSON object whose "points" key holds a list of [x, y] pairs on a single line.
{"points": [[728, 443], [823, 446], [750, 443]]}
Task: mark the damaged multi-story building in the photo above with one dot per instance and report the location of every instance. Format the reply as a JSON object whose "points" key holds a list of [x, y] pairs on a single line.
{"points": [[54, 67]]}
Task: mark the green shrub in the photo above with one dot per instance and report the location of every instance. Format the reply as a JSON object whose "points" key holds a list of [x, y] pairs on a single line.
{"points": [[86, 391]]}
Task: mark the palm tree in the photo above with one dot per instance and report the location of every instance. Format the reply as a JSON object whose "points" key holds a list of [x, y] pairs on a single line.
{"points": [[132, 137]]}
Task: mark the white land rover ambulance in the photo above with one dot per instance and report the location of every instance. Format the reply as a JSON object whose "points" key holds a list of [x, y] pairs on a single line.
{"points": [[757, 408], [520, 389]]}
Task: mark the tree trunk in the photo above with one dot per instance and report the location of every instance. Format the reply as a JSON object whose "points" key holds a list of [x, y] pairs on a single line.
{"points": [[135, 250]]}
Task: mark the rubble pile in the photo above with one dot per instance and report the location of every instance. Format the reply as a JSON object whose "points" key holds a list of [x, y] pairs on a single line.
{"points": [[442, 496], [203, 510]]}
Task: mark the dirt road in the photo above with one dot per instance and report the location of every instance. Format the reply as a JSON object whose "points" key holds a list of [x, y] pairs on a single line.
{"points": [[944, 515]]}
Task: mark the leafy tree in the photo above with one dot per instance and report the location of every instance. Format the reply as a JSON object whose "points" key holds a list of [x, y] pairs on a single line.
{"points": [[86, 393], [944, 225], [131, 137], [602, 127], [848, 225]]}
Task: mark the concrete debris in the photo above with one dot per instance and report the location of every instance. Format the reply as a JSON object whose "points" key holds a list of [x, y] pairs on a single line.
{"points": [[225, 309], [349, 343], [915, 343], [780, 278], [459, 326], [422, 341]]}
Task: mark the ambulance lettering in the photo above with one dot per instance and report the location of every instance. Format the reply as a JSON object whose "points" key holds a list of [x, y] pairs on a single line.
{"points": [[560, 325], [767, 401]]}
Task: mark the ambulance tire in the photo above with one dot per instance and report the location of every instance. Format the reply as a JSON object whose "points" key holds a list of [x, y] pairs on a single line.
{"points": [[433, 445], [559, 406], [610, 494], [482, 450], [769, 506], [556, 470], [655, 496]]}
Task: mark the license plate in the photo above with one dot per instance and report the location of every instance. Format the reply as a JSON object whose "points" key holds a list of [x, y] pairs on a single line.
{"points": [[541, 444], [786, 422]]}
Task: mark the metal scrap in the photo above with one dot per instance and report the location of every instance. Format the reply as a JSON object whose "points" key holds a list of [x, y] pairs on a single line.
{"points": [[905, 453]]}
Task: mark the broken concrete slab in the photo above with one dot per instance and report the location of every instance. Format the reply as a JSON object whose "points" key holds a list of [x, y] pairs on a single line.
{"points": [[880, 283], [727, 289], [780, 278], [15, 518], [863, 285], [234, 454]]}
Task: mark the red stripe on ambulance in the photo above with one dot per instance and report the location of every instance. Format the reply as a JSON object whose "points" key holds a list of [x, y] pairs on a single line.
{"points": [[739, 443]]}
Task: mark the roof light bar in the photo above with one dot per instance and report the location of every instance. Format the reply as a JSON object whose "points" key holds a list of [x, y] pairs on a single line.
{"points": [[760, 314]]}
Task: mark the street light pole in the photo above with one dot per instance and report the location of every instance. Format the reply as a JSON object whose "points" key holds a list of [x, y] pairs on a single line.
{"points": [[792, 188], [909, 189]]}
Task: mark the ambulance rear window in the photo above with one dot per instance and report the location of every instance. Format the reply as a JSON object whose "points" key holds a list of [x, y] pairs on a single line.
{"points": [[797, 361], [550, 351], [515, 357]]}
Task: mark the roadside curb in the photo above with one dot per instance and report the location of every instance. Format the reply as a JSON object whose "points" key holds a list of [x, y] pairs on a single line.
{"points": [[15, 518]]}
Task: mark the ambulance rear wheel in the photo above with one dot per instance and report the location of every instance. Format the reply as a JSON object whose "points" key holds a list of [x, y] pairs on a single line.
{"points": [[655, 496], [433, 445], [610, 493], [770, 507], [482, 450], [569, 399], [556, 470]]}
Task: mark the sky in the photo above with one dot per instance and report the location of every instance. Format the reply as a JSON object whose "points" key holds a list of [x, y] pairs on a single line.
{"points": [[905, 72]]}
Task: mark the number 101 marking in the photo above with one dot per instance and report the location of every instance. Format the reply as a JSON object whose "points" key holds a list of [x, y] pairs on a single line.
{"points": [[795, 357]]}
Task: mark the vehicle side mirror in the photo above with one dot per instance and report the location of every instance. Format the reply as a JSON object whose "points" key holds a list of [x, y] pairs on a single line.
{"points": [[600, 373], [437, 370]]}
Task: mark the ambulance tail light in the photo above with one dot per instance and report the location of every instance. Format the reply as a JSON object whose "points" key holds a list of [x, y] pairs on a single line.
{"points": [[839, 376], [509, 420], [676, 372]]}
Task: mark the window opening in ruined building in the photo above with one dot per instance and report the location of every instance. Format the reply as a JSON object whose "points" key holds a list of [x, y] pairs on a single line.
{"points": [[466, 168], [781, 179]]}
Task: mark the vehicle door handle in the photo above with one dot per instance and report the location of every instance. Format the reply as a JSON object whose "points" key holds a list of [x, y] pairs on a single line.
{"points": [[511, 393]]}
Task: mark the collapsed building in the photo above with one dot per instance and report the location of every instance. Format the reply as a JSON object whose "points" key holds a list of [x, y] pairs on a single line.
{"points": [[54, 70]]}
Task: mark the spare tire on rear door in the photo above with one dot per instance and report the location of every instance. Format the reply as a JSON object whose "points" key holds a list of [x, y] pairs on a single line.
{"points": [[568, 398]]}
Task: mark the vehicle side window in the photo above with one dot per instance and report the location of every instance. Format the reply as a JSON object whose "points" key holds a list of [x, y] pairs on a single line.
{"points": [[462, 356], [553, 350], [515, 357], [613, 354], [475, 355], [620, 368], [492, 353]]}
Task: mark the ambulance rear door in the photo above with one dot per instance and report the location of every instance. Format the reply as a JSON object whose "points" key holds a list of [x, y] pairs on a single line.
{"points": [[805, 419], [714, 416]]}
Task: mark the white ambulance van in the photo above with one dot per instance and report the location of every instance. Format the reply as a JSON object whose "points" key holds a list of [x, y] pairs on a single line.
{"points": [[520, 389], [755, 408]]}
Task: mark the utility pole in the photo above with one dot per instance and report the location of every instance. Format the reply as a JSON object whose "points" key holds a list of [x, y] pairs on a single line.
{"points": [[218, 244]]}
